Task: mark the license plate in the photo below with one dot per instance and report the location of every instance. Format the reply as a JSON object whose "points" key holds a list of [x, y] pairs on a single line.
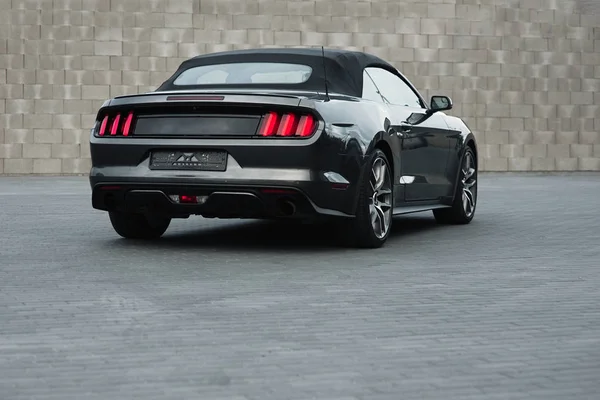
{"points": [[199, 160]]}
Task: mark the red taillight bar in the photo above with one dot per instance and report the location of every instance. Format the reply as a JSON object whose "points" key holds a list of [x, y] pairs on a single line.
{"points": [[116, 127], [127, 124], [270, 123], [103, 126], [287, 125], [306, 125]]}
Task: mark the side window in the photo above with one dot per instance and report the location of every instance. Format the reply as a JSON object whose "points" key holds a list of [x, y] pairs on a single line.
{"points": [[370, 92], [394, 89]]}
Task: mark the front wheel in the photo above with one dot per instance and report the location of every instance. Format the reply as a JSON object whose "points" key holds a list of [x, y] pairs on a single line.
{"points": [[371, 226], [465, 199], [139, 226]]}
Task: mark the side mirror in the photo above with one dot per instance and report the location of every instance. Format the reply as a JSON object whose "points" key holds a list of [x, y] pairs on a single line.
{"points": [[440, 103]]}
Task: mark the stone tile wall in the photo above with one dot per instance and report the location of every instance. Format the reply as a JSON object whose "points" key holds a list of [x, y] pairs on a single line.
{"points": [[525, 74]]}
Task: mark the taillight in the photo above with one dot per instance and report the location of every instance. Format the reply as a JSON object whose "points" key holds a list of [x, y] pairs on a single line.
{"points": [[103, 126], [269, 125], [287, 124], [119, 124], [115, 125], [127, 126], [306, 125]]}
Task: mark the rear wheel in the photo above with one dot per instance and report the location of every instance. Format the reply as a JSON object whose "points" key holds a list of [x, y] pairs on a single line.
{"points": [[139, 226], [371, 226], [465, 199]]}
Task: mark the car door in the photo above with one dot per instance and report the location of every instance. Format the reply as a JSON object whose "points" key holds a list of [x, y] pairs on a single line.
{"points": [[424, 148]]}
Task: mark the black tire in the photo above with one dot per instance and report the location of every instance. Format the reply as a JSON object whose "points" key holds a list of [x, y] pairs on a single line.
{"points": [[139, 226], [459, 213], [359, 231]]}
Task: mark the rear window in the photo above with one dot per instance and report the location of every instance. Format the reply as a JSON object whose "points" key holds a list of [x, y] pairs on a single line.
{"points": [[244, 73]]}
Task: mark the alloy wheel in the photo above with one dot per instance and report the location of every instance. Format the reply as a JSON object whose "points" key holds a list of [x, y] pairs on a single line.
{"points": [[469, 185], [380, 202]]}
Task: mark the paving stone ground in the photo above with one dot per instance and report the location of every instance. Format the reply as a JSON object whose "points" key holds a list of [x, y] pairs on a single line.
{"points": [[505, 308]]}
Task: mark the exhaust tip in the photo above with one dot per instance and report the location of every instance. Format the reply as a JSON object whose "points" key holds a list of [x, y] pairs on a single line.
{"points": [[287, 207]]}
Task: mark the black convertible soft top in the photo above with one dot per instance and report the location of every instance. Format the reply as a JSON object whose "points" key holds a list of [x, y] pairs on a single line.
{"points": [[343, 68]]}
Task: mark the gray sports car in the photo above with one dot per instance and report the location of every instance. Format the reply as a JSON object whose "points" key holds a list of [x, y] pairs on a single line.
{"points": [[282, 133]]}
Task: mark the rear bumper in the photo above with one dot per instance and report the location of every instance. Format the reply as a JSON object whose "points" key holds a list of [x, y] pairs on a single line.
{"points": [[235, 193], [218, 200]]}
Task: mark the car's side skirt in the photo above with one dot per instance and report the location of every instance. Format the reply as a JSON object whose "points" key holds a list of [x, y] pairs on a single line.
{"points": [[409, 209]]}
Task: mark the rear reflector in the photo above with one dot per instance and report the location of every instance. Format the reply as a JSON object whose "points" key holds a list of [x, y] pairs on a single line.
{"points": [[340, 186], [287, 124]]}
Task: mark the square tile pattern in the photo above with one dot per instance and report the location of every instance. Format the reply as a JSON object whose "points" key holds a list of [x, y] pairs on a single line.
{"points": [[524, 74]]}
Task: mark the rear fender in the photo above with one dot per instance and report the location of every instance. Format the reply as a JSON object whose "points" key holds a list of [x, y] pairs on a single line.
{"points": [[365, 162], [358, 126]]}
